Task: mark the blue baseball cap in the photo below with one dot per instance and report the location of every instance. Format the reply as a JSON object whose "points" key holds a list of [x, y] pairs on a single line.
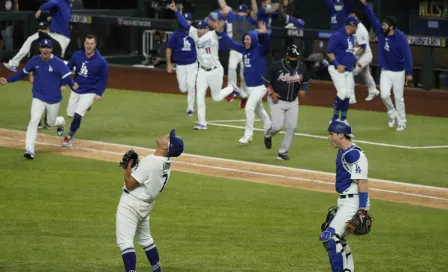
{"points": [[46, 43], [351, 20], [214, 16], [202, 24], [188, 16], [175, 145], [341, 127], [339, 2], [243, 8]]}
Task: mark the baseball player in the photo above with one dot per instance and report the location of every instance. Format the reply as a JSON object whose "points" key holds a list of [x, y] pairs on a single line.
{"points": [[364, 55], [265, 14], [352, 187], [142, 186], [238, 24], [395, 60], [339, 11], [340, 52], [50, 74], [283, 79], [60, 12], [91, 74], [181, 47], [254, 60], [210, 72]]}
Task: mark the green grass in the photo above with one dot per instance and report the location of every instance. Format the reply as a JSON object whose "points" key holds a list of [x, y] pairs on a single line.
{"points": [[136, 118], [58, 214]]}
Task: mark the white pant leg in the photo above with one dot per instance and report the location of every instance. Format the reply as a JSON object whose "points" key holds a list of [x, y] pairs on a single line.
{"points": [[254, 103], [143, 234], [347, 207], [235, 58], [368, 79], [53, 120], [201, 88], [385, 87], [85, 101], [181, 75], [398, 89], [37, 109], [72, 103], [215, 79], [350, 84], [339, 82], [191, 85], [126, 223], [24, 50], [62, 40]]}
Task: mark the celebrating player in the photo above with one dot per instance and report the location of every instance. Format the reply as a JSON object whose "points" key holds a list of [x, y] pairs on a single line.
{"points": [[210, 72], [352, 187], [283, 79], [395, 60], [50, 74], [364, 55], [142, 186], [339, 11], [91, 74], [254, 60], [181, 47], [60, 12], [340, 51]]}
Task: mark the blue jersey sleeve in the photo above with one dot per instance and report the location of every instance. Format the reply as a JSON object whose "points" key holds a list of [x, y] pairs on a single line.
{"points": [[72, 62], [406, 50], [231, 43], [183, 22], [104, 76], [49, 5], [332, 44], [373, 20], [232, 16], [29, 66], [170, 43]]}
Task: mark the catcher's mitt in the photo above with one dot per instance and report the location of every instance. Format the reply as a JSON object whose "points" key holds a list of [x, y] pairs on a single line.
{"points": [[130, 155], [360, 224]]}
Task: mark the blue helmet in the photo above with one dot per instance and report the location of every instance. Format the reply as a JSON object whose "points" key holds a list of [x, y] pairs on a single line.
{"points": [[341, 127]]}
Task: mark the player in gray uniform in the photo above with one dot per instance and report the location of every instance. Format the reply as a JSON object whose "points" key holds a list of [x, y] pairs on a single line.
{"points": [[284, 78]]}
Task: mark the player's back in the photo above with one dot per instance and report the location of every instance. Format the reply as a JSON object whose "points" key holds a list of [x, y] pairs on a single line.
{"points": [[362, 36], [208, 50], [156, 171]]}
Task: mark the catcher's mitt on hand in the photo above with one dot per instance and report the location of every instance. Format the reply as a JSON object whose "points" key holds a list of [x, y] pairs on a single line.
{"points": [[360, 224], [130, 155]]}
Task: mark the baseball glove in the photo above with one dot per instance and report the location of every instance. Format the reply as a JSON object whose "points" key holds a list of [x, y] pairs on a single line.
{"points": [[130, 155], [360, 224]]}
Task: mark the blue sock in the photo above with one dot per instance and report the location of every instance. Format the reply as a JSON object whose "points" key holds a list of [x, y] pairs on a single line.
{"points": [[153, 257], [344, 109], [129, 259], [76, 122], [337, 108]]}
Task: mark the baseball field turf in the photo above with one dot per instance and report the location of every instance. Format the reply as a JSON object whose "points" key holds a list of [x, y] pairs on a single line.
{"points": [[58, 212]]}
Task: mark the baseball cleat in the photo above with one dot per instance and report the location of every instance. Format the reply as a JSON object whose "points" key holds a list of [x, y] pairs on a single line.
{"points": [[28, 154], [243, 103], [47, 126], [401, 127], [391, 122], [371, 96], [245, 140], [200, 127], [190, 113], [268, 142], [352, 100], [67, 141], [39, 125], [236, 92], [10, 67], [60, 131], [282, 157]]}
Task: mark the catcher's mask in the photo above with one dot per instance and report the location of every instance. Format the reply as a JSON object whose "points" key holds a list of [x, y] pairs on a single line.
{"points": [[175, 145]]}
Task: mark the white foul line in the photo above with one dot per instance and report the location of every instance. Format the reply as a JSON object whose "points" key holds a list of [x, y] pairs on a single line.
{"points": [[237, 170], [215, 123]]}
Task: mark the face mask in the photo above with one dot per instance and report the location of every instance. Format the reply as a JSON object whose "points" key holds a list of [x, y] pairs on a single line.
{"points": [[268, 7], [338, 7], [292, 63], [241, 18]]}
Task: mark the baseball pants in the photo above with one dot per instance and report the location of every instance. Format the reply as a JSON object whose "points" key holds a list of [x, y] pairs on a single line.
{"points": [[255, 104], [37, 109], [186, 78], [8, 37], [343, 82], [26, 47], [235, 59], [79, 103], [393, 80], [366, 74], [286, 114], [212, 79]]}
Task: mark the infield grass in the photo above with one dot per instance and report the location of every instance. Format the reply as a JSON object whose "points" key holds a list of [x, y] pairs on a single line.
{"points": [[58, 214], [135, 118]]}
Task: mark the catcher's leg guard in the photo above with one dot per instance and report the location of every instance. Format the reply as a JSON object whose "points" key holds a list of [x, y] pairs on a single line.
{"points": [[349, 265], [333, 246]]}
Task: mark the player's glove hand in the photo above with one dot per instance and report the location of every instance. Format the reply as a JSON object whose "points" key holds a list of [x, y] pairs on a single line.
{"points": [[360, 224], [130, 155]]}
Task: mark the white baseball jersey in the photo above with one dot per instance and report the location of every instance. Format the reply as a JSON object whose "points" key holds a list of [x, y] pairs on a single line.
{"points": [[359, 169], [362, 37], [152, 173], [207, 47]]}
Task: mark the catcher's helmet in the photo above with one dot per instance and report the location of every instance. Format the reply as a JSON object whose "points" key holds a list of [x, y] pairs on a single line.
{"points": [[341, 127], [292, 51]]}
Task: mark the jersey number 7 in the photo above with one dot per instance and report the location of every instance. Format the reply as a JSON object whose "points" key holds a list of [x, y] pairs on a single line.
{"points": [[165, 177]]}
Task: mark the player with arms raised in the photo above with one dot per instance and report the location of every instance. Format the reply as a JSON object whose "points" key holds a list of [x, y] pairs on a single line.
{"points": [[143, 182]]}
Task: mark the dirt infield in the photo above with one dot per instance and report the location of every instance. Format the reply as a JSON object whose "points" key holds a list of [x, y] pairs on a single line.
{"points": [[238, 170]]}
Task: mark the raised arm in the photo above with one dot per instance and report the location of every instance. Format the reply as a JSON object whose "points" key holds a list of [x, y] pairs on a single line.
{"points": [[223, 5], [254, 12], [372, 19], [29, 68], [230, 43], [192, 32]]}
